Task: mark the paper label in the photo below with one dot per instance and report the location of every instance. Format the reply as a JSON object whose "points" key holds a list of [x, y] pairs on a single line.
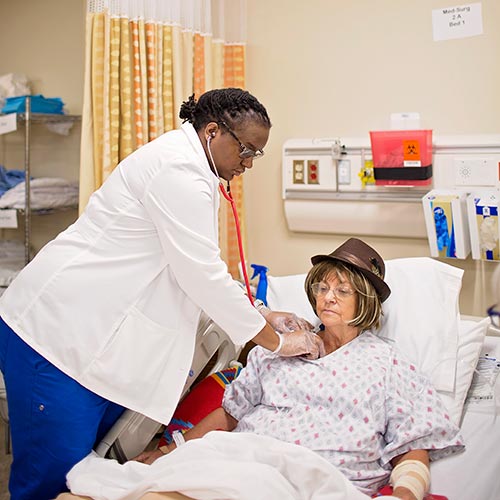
{"points": [[481, 395], [411, 154], [459, 21], [8, 123], [8, 218]]}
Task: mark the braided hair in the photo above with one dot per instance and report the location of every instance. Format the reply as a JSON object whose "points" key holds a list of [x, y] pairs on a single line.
{"points": [[230, 105]]}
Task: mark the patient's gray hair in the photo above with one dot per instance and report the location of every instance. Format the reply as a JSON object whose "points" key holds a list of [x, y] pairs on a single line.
{"points": [[369, 305]]}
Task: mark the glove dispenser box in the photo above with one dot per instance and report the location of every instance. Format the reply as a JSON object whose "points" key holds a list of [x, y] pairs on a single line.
{"points": [[482, 209], [447, 224]]}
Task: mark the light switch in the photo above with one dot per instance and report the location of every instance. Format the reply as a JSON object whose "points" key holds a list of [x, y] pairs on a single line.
{"points": [[344, 170]]}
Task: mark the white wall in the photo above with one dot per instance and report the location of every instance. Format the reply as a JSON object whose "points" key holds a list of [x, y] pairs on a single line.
{"points": [[326, 68]]}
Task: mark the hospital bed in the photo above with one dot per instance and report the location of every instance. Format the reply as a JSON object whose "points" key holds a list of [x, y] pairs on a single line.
{"points": [[423, 319], [132, 432]]}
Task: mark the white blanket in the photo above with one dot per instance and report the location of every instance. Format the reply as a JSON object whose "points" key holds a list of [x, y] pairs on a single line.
{"points": [[221, 465], [45, 193]]}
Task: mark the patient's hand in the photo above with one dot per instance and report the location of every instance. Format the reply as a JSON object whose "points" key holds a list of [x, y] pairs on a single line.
{"points": [[148, 457]]}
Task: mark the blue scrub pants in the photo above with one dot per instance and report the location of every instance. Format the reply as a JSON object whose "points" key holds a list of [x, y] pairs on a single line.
{"points": [[54, 421]]}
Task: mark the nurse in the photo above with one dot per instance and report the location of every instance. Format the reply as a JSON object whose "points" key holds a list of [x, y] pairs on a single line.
{"points": [[105, 316]]}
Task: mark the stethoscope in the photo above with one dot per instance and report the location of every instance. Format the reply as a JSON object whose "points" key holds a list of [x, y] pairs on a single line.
{"points": [[226, 193]]}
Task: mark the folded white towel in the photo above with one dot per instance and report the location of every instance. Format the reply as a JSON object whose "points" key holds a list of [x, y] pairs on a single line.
{"points": [[45, 193]]}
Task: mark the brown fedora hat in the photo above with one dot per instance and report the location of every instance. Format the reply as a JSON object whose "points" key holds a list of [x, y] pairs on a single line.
{"points": [[365, 259]]}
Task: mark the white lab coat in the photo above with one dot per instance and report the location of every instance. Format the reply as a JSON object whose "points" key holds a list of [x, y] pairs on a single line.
{"points": [[115, 299]]}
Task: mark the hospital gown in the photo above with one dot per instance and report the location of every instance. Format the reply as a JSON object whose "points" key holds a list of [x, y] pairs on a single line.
{"points": [[358, 407]]}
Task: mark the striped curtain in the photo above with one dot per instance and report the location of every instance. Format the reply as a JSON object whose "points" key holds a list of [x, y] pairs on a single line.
{"points": [[143, 59], [234, 76]]}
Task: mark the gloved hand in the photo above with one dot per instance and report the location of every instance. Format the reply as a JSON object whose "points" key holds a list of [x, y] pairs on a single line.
{"points": [[301, 343], [284, 322]]}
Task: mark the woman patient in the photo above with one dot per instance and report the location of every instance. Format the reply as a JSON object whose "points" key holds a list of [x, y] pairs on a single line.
{"points": [[362, 406]]}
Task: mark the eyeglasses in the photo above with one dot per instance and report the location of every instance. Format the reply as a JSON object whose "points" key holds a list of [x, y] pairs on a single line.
{"points": [[494, 316], [245, 152], [341, 292]]}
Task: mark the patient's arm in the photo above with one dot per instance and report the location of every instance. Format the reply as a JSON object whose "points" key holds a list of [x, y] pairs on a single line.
{"points": [[418, 455], [219, 419]]}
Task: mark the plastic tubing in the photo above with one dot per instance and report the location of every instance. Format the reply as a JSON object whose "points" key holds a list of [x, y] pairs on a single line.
{"points": [[230, 199]]}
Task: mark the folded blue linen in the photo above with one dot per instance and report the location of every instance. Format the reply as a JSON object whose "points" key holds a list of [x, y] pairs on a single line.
{"points": [[39, 104], [9, 179]]}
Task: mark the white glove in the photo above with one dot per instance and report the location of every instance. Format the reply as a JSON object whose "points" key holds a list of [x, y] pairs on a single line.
{"points": [[284, 322], [300, 343]]}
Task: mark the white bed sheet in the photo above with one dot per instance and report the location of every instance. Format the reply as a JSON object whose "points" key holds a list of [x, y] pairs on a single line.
{"points": [[232, 466], [475, 473]]}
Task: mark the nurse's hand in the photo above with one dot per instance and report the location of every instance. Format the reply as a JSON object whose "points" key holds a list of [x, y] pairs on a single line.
{"points": [[284, 322], [301, 343]]}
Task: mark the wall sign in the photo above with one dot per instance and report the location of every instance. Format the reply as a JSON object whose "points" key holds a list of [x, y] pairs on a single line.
{"points": [[460, 21]]}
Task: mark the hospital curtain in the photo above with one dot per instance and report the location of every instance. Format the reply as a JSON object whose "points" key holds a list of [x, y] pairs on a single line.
{"points": [[142, 59], [234, 76]]}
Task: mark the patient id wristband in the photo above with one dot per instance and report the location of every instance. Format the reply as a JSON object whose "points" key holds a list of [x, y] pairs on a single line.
{"points": [[178, 438]]}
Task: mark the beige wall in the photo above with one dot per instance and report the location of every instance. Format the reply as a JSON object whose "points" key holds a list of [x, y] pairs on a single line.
{"points": [[45, 42], [339, 68], [322, 68]]}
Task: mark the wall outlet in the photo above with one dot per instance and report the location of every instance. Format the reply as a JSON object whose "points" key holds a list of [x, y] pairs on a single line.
{"points": [[298, 172], [313, 171]]}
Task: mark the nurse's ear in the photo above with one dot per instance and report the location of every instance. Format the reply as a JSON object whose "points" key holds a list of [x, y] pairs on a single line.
{"points": [[211, 131]]}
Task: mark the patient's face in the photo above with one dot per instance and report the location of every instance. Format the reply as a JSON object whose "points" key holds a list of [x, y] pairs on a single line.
{"points": [[336, 304]]}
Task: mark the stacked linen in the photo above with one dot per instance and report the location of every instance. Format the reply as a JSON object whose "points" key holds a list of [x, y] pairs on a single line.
{"points": [[9, 179], [39, 104], [11, 261], [46, 193]]}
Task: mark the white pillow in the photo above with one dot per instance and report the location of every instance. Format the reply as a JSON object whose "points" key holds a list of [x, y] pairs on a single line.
{"points": [[287, 293], [421, 315], [470, 342]]}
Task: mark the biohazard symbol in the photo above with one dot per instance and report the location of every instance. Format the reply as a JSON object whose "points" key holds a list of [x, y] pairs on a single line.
{"points": [[411, 150]]}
